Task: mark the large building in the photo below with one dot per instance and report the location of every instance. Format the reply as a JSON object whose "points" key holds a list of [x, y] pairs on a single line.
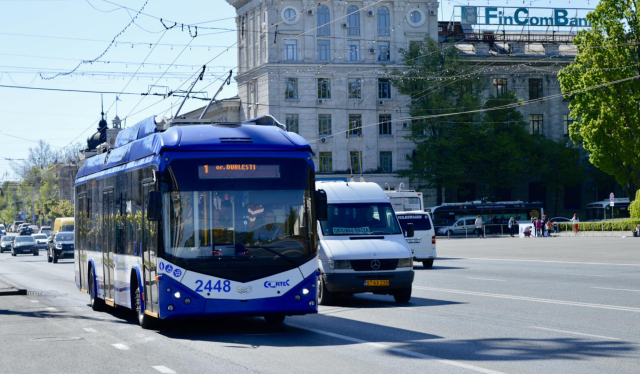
{"points": [[319, 68]]}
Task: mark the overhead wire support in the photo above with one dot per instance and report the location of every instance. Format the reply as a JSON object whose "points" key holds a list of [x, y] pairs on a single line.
{"points": [[204, 67], [228, 82]]}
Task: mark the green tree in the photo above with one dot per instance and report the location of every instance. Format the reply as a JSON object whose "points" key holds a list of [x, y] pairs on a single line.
{"points": [[62, 208], [439, 82], [559, 165], [608, 125], [505, 145]]}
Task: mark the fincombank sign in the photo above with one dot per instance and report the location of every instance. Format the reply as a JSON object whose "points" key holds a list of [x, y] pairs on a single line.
{"points": [[568, 17]]}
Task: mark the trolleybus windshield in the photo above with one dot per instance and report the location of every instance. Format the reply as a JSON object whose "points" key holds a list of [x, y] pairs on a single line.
{"points": [[233, 218]]}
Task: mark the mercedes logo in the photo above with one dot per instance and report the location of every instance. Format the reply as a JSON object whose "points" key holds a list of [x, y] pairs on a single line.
{"points": [[375, 264]]}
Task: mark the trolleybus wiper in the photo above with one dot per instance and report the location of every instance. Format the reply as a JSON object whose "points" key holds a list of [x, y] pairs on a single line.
{"points": [[276, 253]]}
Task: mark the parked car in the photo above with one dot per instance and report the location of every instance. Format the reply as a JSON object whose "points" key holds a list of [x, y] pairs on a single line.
{"points": [[5, 243], [423, 243], [24, 245], [60, 246], [47, 230], [41, 240], [462, 226]]}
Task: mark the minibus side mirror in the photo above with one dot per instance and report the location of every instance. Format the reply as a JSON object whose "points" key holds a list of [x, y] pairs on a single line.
{"points": [[410, 231], [154, 208], [322, 207]]}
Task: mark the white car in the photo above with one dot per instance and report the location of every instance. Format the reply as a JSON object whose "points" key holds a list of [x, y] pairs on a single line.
{"points": [[423, 243], [362, 247], [41, 240]]}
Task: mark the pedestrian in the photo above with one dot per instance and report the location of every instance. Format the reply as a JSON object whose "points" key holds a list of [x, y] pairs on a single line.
{"points": [[533, 226], [479, 228], [549, 226], [544, 225], [539, 228], [512, 226], [576, 221]]}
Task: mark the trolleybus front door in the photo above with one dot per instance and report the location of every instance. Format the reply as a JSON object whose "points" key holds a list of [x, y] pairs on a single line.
{"points": [[108, 245], [149, 254]]}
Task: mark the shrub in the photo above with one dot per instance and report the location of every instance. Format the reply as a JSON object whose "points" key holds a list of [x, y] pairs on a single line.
{"points": [[634, 208]]}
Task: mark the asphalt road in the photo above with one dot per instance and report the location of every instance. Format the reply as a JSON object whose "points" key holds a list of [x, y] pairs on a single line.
{"points": [[557, 305]]}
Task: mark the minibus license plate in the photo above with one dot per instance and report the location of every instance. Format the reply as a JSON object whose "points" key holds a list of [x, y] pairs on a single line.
{"points": [[378, 282]]}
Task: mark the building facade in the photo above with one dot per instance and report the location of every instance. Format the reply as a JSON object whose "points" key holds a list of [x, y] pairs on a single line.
{"points": [[319, 68]]}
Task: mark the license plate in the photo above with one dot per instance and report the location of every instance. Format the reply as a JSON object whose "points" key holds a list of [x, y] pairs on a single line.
{"points": [[377, 282]]}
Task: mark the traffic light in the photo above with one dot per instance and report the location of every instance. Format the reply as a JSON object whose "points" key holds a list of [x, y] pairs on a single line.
{"points": [[39, 211]]}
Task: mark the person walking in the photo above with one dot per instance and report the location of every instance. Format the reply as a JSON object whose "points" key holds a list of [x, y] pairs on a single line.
{"points": [[512, 226], [479, 228], [576, 221], [533, 226], [539, 228], [544, 225]]}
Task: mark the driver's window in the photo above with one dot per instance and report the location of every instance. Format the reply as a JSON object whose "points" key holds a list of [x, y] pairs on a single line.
{"points": [[460, 223]]}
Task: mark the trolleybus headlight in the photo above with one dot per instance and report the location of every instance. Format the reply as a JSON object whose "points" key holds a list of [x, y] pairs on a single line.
{"points": [[305, 291], [312, 303], [170, 308], [187, 301], [297, 297], [177, 295]]}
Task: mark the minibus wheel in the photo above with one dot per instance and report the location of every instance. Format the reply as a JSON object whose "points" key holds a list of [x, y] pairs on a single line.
{"points": [[403, 296], [325, 297], [428, 264]]}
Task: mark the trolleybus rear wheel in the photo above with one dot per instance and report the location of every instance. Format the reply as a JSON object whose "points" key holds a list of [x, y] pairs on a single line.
{"points": [[96, 302]]}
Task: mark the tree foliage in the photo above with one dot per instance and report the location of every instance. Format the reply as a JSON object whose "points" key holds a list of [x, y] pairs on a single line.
{"points": [[444, 145], [608, 125]]}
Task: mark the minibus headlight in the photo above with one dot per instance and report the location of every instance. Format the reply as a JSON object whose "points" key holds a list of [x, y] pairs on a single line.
{"points": [[405, 262], [342, 264]]}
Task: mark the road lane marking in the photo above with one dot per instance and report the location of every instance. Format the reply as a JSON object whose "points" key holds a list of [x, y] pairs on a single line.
{"points": [[398, 350], [574, 333], [120, 346], [487, 279], [555, 262], [51, 309], [163, 369], [34, 301], [533, 299], [616, 289], [89, 329]]}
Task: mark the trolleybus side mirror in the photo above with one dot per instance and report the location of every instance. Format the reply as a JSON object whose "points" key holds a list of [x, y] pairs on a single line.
{"points": [[155, 206], [410, 231], [322, 207]]}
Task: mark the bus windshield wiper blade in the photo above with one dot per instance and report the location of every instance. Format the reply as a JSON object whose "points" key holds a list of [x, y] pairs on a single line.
{"points": [[276, 253]]}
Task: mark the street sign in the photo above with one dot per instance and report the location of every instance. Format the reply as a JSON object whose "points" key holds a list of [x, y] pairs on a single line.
{"points": [[611, 199]]}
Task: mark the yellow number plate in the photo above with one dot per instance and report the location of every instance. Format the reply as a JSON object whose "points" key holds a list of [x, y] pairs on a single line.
{"points": [[378, 282]]}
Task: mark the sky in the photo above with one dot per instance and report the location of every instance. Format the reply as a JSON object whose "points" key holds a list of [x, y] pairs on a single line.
{"points": [[40, 38]]}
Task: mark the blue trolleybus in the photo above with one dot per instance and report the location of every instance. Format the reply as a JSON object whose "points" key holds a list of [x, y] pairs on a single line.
{"points": [[194, 218]]}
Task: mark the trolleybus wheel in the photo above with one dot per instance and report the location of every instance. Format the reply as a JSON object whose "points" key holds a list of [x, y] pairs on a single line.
{"points": [[273, 319], [145, 321], [96, 302], [403, 296]]}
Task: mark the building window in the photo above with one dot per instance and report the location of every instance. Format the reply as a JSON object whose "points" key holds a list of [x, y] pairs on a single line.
{"points": [[384, 53], [354, 50], [536, 122], [353, 21], [356, 161], [384, 21], [324, 48], [291, 91], [386, 162], [256, 46], [289, 14], [291, 50], [292, 123], [535, 88], [415, 17], [355, 88], [264, 50], [500, 84], [355, 125], [384, 125], [567, 121], [324, 88], [326, 162], [384, 89], [324, 18], [324, 124]]}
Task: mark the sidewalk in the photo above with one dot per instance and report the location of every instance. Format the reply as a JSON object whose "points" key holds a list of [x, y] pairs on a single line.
{"points": [[7, 289]]}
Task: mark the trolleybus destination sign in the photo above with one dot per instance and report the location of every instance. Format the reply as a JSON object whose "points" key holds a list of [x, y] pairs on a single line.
{"points": [[523, 16]]}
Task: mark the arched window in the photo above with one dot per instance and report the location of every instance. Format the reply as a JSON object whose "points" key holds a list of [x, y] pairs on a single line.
{"points": [[289, 14], [353, 20], [323, 20], [384, 21]]}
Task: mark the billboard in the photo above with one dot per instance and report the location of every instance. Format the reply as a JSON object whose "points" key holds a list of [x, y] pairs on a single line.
{"points": [[524, 16]]}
